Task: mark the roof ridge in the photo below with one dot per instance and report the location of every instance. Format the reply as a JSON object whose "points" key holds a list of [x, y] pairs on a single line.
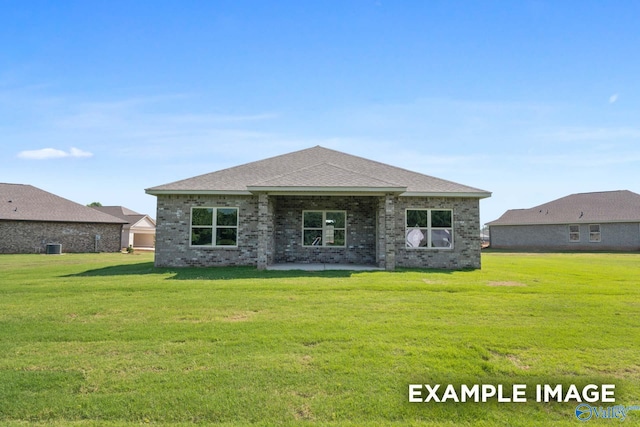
{"points": [[30, 203], [589, 207], [393, 166], [257, 184], [243, 165], [586, 193], [287, 173], [365, 174], [290, 167], [600, 192]]}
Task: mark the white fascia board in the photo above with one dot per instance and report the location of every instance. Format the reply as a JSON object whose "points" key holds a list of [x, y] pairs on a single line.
{"points": [[476, 195], [326, 190], [201, 192], [401, 191], [146, 217], [135, 223]]}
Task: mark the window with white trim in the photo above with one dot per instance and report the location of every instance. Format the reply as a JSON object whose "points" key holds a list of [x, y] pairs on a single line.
{"points": [[594, 233], [324, 228], [574, 233], [429, 228], [213, 227]]}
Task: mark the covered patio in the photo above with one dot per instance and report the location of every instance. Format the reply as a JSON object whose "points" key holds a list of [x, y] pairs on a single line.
{"points": [[347, 231]]}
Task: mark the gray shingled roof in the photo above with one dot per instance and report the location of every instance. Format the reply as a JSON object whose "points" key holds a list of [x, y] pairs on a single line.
{"points": [[121, 212], [600, 207], [317, 169], [27, 203]]}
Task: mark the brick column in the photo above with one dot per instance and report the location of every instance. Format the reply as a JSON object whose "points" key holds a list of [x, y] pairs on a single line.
{"points": [[381, 247], [390, 232], [265, 231]]}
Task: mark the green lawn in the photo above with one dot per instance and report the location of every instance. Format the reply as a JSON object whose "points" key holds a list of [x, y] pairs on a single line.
{"points": [[107, 339]]}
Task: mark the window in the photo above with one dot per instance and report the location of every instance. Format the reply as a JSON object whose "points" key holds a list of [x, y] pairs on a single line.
{"points": [[429, 228], [324, 228], [574, 233], [214, 226], [594, 232]]}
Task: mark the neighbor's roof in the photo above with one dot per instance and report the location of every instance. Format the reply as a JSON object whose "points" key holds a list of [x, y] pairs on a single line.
{"points": [[27, 203], [606, 206], [123, 213], [315, 170]]}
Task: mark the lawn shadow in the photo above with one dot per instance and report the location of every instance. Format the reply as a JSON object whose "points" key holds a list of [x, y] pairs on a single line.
{"points": [[141, 268], [230, 273], [209, 273]]}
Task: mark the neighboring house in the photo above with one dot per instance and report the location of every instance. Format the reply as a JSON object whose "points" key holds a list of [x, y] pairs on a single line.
{"points": [[31, 219], [140, 230], [318, 206], [608, 220]]}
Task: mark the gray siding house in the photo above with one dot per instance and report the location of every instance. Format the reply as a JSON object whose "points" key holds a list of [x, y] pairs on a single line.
{"points": [[607, 221], [317, 206], [31, 219]]}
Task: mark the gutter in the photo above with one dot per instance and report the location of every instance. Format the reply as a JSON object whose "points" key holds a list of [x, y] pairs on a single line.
{"points": [[327, 191]]}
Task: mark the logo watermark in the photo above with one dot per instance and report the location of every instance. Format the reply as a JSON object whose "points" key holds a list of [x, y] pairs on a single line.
{"points": [[517, 393], [585, 412], [587, 396]]}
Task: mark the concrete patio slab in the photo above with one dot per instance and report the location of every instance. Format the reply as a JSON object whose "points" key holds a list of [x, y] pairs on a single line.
{"points": [[323, 267]]}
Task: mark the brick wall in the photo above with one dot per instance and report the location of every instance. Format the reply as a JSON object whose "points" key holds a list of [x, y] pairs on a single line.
{"points": [[282, 219], [173, 232], [466, 234], [615, 236], [361, 230], [33, 236]]}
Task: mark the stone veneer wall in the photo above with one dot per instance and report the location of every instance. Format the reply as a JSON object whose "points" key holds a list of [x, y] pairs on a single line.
{"points": [[33, 236], [466, 234], [361, 230]]}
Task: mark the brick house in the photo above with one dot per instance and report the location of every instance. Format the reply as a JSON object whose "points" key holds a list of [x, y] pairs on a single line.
{"points": [[140, 230], [31, 219], [317, 206], [607, 220]]}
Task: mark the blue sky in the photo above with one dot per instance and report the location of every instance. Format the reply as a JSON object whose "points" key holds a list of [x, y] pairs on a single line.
{"points": [[531, 100]]}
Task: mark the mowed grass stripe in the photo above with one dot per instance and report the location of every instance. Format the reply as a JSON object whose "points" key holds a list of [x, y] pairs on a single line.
{"points": [[109, 339]]}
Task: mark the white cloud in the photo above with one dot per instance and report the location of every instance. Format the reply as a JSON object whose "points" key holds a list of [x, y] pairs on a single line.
{"points": [[52, 153], [613, 98], [76, 152]]}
